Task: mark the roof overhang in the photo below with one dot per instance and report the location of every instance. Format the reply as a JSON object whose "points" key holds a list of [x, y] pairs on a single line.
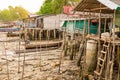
{"points": [[106, 6]]}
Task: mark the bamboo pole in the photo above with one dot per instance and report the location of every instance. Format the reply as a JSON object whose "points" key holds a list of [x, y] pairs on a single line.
{"points": [[19, 54], [6, 60], [113, 52], [75, 38], [40, 60], [99, 32], [61, 59], [84, 30], [89, 23], [105, 25], [55, 29], [47, 38], [99, 43], [33, 34], [24, 56], [118, 53], [108, 62], [36, 43]]}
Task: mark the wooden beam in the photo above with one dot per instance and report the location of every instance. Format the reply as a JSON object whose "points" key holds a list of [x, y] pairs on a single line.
{"points": [[99, 8]]}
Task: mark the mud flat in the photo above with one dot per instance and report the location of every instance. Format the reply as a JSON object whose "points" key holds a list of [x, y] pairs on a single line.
{"points": [[39, 65]]}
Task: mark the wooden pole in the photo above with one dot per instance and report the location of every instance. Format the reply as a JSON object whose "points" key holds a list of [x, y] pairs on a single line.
{"points": [[99, 43], [89, 23], [54, 33], [24, 56], [118, 53], [36, 44], [40, 51], [61, 56], [33, 34], [46, 38], [99, 32], [19, 54], [105, 25], [113, 52], [84, 30], [6, 61]]}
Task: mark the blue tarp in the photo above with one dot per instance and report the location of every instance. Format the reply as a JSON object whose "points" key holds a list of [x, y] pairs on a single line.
{"points": [[9, 29]]}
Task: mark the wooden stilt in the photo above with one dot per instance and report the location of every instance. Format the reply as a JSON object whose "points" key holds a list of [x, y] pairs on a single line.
{"points": [[84, 30], [105, 24], [99, 31], [61, 58], [24, 56], [54, 33], [6, 61], [89, 24], [98, 76], [113, 52], [40, 60], [19, 54], [33, 34], [118, 60], [47, 38]]}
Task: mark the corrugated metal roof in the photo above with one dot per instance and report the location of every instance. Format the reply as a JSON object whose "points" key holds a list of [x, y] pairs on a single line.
{"points": [[116, 1], [107, 6], [110, 4]]}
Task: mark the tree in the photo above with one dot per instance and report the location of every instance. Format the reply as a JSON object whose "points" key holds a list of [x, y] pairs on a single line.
{"points": [[13, 13], [5, 15], [21, 12], [54, 6], [46, 8]]}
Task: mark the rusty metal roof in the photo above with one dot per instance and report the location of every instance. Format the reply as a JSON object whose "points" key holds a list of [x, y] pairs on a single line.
{"points": [[107, 6]]}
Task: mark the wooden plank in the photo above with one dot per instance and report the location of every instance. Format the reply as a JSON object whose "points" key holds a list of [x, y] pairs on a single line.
{"points": [[38, 45], [99, 8]]}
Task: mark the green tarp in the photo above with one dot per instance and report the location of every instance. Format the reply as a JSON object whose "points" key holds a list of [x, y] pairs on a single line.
{"points": [[118, 18], [118, 8], [79, 24]]}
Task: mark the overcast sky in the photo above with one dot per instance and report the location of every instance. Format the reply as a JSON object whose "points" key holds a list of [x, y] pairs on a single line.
{"points": [[30, 5]]}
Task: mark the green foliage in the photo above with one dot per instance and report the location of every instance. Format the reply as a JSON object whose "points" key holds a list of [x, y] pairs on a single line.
{"points": [[5, 14], [58, 5], [46, 8], [54, 6], [13, 13]]}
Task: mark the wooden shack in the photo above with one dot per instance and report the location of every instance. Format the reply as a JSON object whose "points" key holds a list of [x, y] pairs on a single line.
{"points": [[108, 54], [42, 28]]}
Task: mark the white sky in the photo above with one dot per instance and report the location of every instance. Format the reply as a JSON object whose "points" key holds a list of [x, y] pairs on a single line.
{"points": [[29, 5]]}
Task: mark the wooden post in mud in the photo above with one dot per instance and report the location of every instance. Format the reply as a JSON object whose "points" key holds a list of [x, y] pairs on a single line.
{"points": [[118, 60], [7, 63], [19, 54], [99, 32], [47, 38], [105, 25], [24, 55], [89, 23], [99, 43], [113, 52], [40, 60], [36, 47], [54, 33], [84, 30], [32, 34]]}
